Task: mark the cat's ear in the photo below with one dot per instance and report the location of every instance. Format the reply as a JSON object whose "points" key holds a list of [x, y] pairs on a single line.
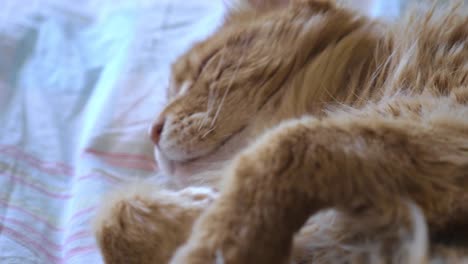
{"points": [[263, 5], [267, 4], [364, 7], [317, 4], [258, 5]]}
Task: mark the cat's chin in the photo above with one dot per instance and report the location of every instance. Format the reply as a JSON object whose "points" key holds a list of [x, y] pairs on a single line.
{"points": [[179, 171], [186, 172]]}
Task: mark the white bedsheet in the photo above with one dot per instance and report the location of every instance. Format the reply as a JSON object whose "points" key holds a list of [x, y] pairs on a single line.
{"points": [[79, 85]]}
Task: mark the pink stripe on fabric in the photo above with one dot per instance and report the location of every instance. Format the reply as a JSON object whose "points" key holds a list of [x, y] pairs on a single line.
{"points": [[123, 115], [31, 244], [119, 155], [35, 217], [77, 235], [105, 177], [37, 188], [79, 250], [54, 168], [126, 160], [70, 239], [29, 229], [39, 247], [81, 213], [19, 150]]}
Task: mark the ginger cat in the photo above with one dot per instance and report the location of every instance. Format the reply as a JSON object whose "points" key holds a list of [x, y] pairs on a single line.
{"points": [[331, 137]]}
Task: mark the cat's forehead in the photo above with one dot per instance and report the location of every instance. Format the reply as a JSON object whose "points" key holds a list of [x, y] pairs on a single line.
{"points": [[239, 32], [249, 37]]}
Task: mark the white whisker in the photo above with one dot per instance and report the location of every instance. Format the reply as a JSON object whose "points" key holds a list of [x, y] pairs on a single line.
{"points": [[231, 81], [211, 96], [207, 132]]}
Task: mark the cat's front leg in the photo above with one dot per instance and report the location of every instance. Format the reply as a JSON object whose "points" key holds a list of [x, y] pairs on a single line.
{"points": [[345, 162], [268, 196]]}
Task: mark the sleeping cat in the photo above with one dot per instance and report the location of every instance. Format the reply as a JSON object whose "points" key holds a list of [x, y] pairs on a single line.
{"points": [[331, 137]]}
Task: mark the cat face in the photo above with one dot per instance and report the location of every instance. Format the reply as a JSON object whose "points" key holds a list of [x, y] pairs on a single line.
{"points": [[222, 85]]}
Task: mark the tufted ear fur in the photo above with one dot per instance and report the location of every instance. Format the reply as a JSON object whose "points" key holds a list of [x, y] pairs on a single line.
{"points": [[259, 5], [265, 5], [365, 7]]}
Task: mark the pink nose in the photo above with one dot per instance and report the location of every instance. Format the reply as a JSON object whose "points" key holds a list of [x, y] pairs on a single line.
{"points": [[157, 129]]}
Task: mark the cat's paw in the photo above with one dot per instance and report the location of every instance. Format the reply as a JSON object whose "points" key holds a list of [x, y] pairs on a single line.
{"points": [[146, 225], [211, 241], [197, 254], [122, 235]]}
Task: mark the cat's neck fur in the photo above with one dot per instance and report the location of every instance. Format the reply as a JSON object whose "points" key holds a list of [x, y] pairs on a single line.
{"points": [[344, 64], [364, 60]]}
